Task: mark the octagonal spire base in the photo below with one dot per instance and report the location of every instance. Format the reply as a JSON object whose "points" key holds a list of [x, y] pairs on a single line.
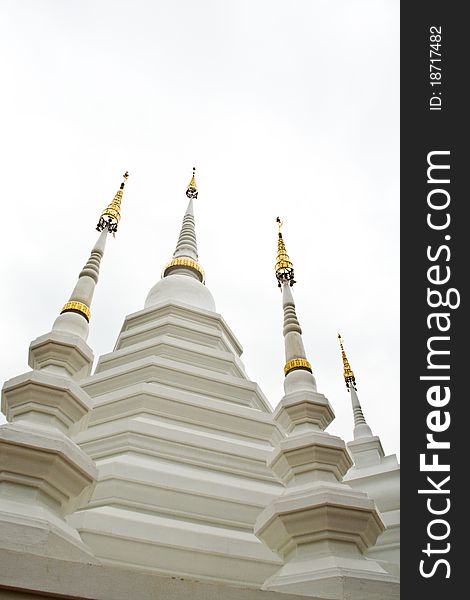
{"points": [[303, 410], [43, 477], [62, 353], [321, 531], [319, 526]]}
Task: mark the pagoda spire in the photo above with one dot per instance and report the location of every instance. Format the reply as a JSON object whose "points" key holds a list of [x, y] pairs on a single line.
{"points": [[48, 474], [296, 358], [361, 428], [319, 526], [185, 256], [75, 314]]}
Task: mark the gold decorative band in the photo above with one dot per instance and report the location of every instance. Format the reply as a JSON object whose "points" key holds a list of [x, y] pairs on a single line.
{"points": [[297, 363], [77, 307], [185, 262]]}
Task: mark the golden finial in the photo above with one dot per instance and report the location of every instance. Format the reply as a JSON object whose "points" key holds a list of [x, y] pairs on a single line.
{"points": [[284, 267], [348, 373], [111, 215], [191, 192]]}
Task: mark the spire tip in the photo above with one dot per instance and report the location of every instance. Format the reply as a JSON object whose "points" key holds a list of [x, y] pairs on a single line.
{"points": [[191, 191], [284, 267], [111, 215], [349, 377]]}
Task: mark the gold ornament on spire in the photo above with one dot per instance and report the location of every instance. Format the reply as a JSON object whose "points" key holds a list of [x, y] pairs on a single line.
{"points": [[111, 215], [191, 192], [284, 267], [77, 307], [348, 373]]}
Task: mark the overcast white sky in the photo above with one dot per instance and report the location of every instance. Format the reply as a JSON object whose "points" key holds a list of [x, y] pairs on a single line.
{"points": [[286, 108]]}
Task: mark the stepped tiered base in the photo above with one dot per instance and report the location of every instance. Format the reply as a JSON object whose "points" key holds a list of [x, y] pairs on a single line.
{"points": [[181, 437]]}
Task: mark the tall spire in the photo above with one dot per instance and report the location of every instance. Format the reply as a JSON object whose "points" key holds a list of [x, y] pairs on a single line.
{"points": [[319, 526], [111, 215], [361, 429], [296, 358], [185, 256], [75, 314], [48, 474]]}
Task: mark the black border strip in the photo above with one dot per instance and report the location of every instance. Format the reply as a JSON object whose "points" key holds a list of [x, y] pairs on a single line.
{"points": [[424, 131]]}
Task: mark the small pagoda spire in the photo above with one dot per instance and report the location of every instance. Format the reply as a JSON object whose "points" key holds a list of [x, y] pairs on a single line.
{"points": [[296, 358], [111, 215], [319, 526], [361, 428], [185, 256], [80, 300], [284, 267]]}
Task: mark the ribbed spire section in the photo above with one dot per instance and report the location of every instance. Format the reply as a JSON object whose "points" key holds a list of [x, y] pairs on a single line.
{"points": [[111, 215], [361, 429], [294, 347], [359, 418], [185, 256], [291, 323], [187, 244], [82, 295]]}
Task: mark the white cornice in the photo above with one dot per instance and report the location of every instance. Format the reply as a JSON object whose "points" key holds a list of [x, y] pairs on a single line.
{"points": [[187, 407], [191, 378]]}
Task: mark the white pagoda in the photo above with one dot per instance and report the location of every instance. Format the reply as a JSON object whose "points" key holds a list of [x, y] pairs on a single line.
{"points": [[166, 473]]}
